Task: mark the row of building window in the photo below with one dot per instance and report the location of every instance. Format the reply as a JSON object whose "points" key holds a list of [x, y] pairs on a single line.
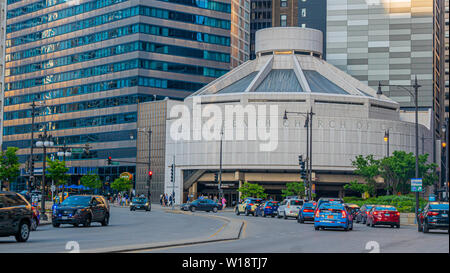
{"points": [[103, 86], [74, 123], [204, 4], [116, 16], [116, 50], [54, 16], [116, 67], [80, 106], [78, 139], [119, 32]]}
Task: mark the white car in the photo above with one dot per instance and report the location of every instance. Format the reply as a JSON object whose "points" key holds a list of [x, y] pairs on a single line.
{"points": [[289, 208]]}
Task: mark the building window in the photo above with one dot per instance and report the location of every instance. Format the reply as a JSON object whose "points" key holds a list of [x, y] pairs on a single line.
{"points": [[283, 3], [283, 20], [304, 12]]}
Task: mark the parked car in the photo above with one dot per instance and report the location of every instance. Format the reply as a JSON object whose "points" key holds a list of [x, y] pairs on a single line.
{"points": [[36, 219], [353, 209], [140, 203], [433, 216], [268, 208], [333, 215], [383, 215], [289, 208], [306, 213], [203, 205], [361, 217], [245, 204], [81, 209], [15, 216]]}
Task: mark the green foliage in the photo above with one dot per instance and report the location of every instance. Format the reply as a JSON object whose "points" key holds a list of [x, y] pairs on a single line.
{"points": [[9, 166], [92, 181], [403, 203], [122, 184], [57, 171], [356, 187], [368, 168], [252, 190], [294, 188]]}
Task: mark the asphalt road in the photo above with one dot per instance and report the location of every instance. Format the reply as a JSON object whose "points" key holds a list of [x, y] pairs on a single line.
{"points": [[125, 228], [273, 235]]}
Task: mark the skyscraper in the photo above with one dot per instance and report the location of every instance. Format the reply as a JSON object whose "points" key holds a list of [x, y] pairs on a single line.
{"points": [[2, 58], [92, 62]]}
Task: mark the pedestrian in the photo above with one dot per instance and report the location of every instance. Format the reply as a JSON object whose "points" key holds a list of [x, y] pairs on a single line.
{"points": [[166, 200], [224, 203], [161, 200], [170, 200]]}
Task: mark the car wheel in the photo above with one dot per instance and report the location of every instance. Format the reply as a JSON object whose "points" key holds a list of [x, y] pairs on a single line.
{"points": [[23, 233], [316, 228], [263, 214], [284, 215], [33, 224], [105, 221], [192, 209], [75, 225], [419, 227], [425, 228], [55, 224], [278, 215], [372, 224], [87, 222], [351, 227], [272, 215], [398, 225], [215, 209]]}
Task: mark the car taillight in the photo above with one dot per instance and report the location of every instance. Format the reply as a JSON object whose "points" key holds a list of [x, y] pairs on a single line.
{"points": [[250, 204], [344, 214], [375, 213], [432, 213], [397, 213], [367, 212], [308, 210], [268, 207], [317, 214]]}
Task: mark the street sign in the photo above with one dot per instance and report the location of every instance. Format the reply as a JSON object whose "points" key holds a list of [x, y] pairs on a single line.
{"points": [[77, 150], [53, 188], [416, 184]]}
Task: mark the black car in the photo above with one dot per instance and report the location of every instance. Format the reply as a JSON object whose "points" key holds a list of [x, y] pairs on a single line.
{"points": [[353, 209], [361, 216], [15, 216], [433, 216], [81, 209], [202, 204], [140, 203]]}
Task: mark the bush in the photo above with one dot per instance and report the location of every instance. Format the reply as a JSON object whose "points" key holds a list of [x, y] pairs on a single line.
{"points": [[404, 203]]}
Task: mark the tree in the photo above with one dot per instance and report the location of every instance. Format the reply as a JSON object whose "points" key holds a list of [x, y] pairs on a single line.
{"points": [[122, 184], [357, 187], [252, 190], [9, 166], [368, 167], [294, 188], [57, 171], [91, 181], [398, 169]]}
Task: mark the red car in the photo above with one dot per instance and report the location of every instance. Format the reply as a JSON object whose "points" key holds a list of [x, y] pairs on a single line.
{"points": [[383, 215]]}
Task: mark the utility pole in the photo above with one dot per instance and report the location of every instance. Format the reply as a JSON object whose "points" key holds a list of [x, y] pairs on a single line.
{"points": [[220, 166], [32, 182], [149, 179], [310, 152]]}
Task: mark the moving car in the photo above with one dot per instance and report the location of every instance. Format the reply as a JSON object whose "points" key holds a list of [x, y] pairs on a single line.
{"points": [[361, 217], [245, 204], [306, 213], [333, 215], [268, 208], [323, 200], [289, 208], [15, 216], [203, 204], [140, 203], [251, 207], [81, 209], [433, 216], [353, 209], [383, 215]]}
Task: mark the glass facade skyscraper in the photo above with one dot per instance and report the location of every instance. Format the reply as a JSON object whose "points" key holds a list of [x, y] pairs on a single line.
{"points": [[87, 64]]}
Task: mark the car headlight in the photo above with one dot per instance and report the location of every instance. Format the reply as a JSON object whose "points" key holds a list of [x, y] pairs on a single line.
{"points": [[146, 204]]}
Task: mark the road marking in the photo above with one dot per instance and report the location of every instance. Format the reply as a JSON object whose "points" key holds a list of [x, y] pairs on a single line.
{"points": [[218, 230]]}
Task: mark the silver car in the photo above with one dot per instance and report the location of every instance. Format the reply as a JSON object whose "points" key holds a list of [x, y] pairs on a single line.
{"points": [[289, 208]]}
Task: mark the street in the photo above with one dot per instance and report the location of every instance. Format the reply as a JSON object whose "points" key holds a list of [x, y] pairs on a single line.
{"points": [[162, 227]]}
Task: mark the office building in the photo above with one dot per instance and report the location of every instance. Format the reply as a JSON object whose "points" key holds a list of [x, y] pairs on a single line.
{"points": [[2, 59], [87, 64]]}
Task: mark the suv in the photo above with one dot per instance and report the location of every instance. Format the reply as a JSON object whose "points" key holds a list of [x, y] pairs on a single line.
{"points": [[433, 216], [81, 209], [289, 208], [15, 216]]}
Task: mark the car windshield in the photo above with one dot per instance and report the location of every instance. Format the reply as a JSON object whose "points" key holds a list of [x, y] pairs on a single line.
{"points": [[139, 200], [296, 202], [439, 206], [77, 201], [385, 208]]}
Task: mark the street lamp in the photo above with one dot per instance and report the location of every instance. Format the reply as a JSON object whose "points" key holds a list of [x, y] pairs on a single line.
{"points": [[149, 177], [386, 139], [308, 126], [445, 130], [45, 141], [415, 97]]}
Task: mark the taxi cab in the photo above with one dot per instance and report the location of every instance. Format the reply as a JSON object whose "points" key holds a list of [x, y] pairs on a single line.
{"points": [[248, 205]]}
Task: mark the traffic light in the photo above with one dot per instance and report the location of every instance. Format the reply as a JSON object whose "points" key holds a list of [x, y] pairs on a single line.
{"points": [[302, 167], [216, 177], [171, 173], [150, 173], [109, 160], [300, 159]]}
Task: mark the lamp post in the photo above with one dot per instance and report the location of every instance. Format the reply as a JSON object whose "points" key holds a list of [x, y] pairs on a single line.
{"points": [[220, 167], [308, 126], [415, 98], [149, 177], [445, 130], [44, 142], [386, 139], [34, 113], [64, 151]]}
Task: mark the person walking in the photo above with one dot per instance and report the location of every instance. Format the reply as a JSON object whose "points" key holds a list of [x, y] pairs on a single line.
{"points": [[224, 203], [161, 199], [170, 200]]}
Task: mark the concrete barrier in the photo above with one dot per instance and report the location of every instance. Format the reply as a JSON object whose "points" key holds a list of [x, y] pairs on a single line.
{"points": [[408, 219]]}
